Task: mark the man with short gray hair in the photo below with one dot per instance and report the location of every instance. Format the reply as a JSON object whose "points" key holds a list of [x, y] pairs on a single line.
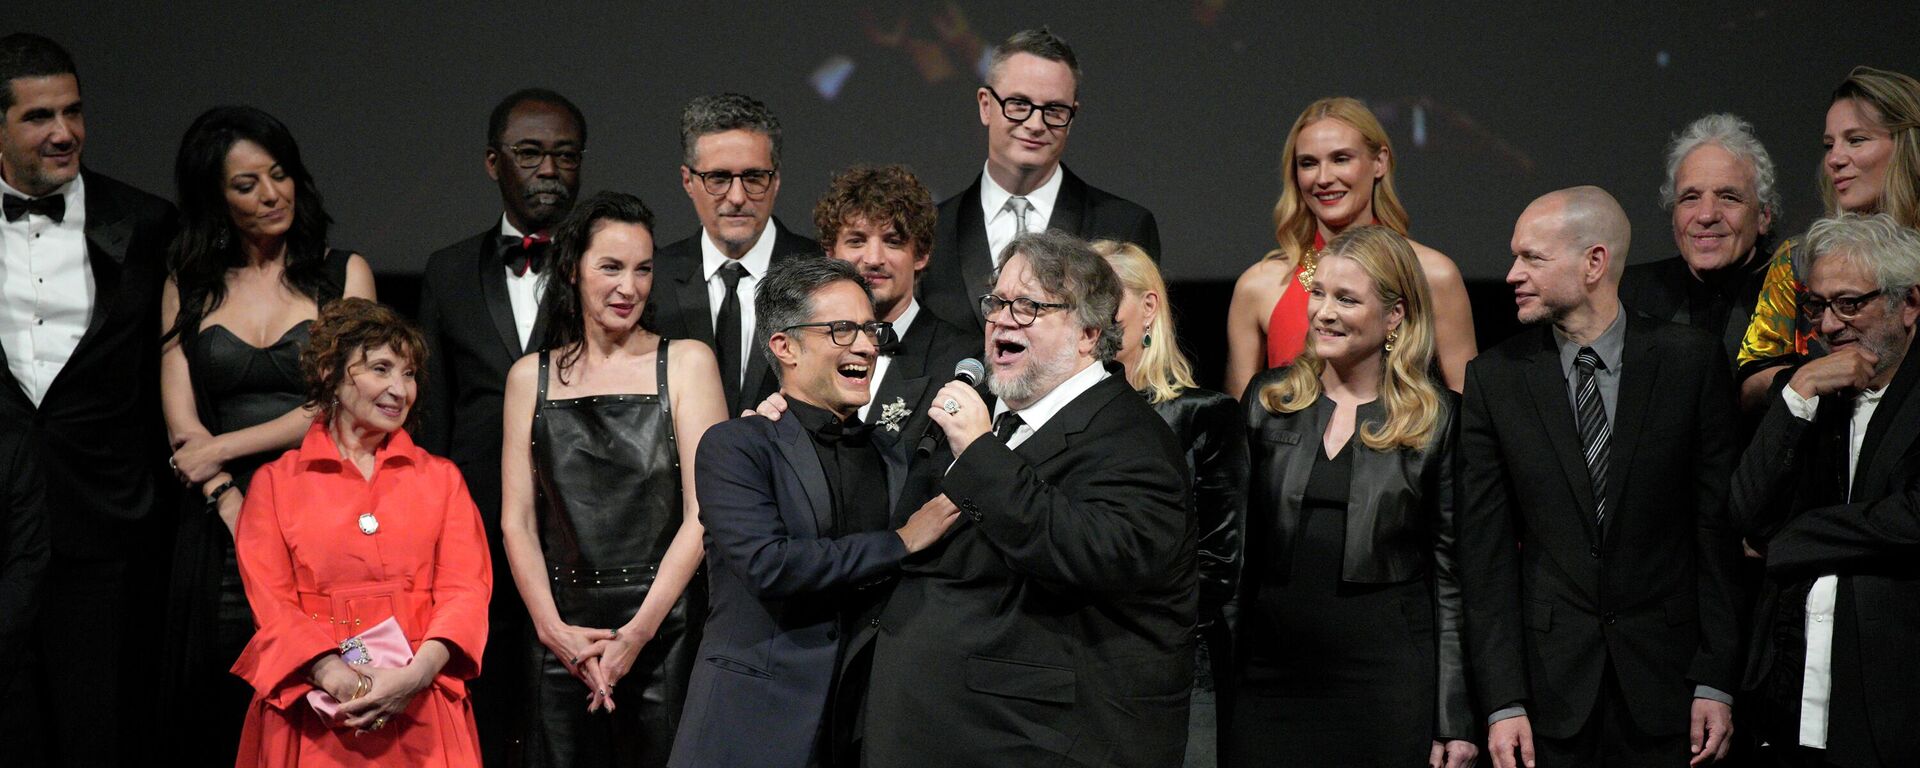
{"points": [[704, 285], [1720, 190], [1054, 625], [1826, 492]]}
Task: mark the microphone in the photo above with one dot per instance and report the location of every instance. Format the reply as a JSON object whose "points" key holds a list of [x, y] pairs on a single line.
{"points": [[971, 372]]}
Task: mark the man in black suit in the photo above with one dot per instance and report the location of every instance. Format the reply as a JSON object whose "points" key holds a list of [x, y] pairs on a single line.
{"points": [[1028, 106], [800, 539], [1826, 490], [1055, 625], [480, 311], [704, 285], [1593, 550], [84, 257], [881, 220]]}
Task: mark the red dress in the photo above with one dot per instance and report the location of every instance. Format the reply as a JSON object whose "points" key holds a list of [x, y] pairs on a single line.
{"points": [[314, 579], [1287, 326]]}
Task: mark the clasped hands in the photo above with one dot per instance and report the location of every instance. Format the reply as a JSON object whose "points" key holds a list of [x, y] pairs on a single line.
{"points": [[599, 658]]}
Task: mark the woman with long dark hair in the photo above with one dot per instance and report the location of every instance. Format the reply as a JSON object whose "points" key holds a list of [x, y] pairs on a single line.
{"points": [[249, 271], [600, 524]]}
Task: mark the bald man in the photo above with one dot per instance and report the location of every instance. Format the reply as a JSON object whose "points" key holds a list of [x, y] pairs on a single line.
{"points": [[1595, 556]]}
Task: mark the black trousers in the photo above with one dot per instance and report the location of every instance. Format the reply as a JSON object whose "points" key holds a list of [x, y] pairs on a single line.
{"points": [[1611, 739], [69, 711]]}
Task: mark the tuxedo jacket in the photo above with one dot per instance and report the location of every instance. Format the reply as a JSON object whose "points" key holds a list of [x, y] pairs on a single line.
{"points": [[1791, 499], [962, 268], [468, 322], [680, 308], [921, 366], [771, 647], [1551, 598], [97, 433], [1053, 624]]}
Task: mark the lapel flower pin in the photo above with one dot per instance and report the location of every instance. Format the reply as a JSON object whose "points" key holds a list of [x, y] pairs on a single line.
{"points": [[892, 413]]}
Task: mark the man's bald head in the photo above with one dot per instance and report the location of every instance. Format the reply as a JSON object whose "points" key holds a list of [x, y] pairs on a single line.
{"points": [[1585, 217]]}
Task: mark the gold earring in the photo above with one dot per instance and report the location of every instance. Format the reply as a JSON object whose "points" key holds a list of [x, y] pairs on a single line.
{"points": [[1392, 336]]}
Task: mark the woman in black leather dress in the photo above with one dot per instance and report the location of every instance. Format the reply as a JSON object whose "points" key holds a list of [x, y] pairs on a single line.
{"points": [[249, 272], [1208, 424], [600, 529], [1348, 648]]}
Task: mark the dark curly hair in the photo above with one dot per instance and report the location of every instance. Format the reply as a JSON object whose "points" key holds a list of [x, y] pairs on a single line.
{"points": [[887, 193], [356, 326], [560, 300]]}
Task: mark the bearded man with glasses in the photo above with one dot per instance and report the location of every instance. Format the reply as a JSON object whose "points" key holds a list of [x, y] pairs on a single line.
{"points": [[1028, 106], [705, 284]]}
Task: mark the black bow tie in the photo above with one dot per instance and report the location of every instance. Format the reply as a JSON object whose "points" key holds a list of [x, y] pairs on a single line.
{"points": [[52, 206], [851, 432], [524, 254]]}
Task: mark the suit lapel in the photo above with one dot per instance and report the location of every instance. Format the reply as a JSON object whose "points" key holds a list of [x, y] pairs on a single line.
{"points": [[976, 256], [109, 232], [1891, 431], [1051, 439], [1640, 364], [1070, 207], [493, 290], [690, 289], [1547, 386], [804, 460], [893, 451]]}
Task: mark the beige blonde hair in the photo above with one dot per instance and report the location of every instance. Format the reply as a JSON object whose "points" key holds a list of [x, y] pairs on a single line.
{"points": [[1293, 223], [1895, 102], [1411, 397], [1163, 371]]}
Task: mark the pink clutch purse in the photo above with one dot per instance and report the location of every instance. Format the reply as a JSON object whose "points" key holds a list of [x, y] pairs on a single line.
{"points": [[384, 646]]}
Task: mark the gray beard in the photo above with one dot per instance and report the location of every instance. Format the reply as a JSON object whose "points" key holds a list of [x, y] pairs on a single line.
{"points": [[1040, 377]]}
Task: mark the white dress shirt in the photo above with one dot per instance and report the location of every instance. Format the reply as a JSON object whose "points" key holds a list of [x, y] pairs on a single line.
{"points": [[758, 258], [1816, 688], [1001, 222], [883, 362], [1036, 415], [46, 289], [523, 291]]}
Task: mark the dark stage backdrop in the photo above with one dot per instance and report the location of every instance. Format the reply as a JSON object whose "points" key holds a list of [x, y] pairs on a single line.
{"points": [[1185, 103]]}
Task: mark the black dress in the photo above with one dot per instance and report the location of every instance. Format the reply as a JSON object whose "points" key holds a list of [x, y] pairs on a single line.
{"points": [[235, 385], [607, 497], [1336, 673]]}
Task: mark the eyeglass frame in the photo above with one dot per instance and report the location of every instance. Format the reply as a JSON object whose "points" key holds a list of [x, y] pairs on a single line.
{"points": [[706, 180], [990, 304], [1072, 110], [513, 151], [880, 332], [1813, 308]]}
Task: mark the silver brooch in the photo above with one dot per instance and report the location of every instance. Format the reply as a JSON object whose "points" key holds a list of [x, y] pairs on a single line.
{"points": [[369, 523], [892, 413]]}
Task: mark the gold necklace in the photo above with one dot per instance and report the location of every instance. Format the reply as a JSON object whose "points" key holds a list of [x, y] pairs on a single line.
{"points": [[1309, 262]]}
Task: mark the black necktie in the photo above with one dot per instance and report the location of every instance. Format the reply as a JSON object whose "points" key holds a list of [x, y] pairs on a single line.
{"points": [[52, 206], [726, 327], [1595, 432], [1006, 424], [524, 254]]}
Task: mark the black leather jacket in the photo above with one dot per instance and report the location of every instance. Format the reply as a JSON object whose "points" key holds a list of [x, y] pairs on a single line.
{"points": [[1209, 427], [1399, 518]]}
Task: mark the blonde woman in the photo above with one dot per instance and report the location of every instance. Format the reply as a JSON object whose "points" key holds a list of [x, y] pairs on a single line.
{"points": [[1209, 427], [1339, 175], [1349, 639]]}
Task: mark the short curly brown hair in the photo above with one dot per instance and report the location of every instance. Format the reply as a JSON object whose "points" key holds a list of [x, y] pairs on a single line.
{"points": [[355, 325], [887, 193]]}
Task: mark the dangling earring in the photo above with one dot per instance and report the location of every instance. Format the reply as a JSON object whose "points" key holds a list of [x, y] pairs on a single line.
{"points": [[1146, 340], [1392, 336], [220, 239]]}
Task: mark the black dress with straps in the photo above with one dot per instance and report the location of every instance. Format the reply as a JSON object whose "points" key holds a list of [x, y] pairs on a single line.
{"points": [[236, 385], [607, 497]]}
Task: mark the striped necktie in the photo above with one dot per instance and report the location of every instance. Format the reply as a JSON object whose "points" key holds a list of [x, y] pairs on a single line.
{"points": [[1595, 432]]}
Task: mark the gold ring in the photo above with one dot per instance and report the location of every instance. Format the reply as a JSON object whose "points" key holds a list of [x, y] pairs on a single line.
{"points": [[378, 723]]}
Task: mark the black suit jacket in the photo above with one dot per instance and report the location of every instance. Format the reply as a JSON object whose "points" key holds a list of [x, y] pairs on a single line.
{"points": [[1551, 599], [680, 308], [1791, 498], [1399, 522], [97, 432], [922, 365], [962, 268], [1054, 623], [770, 650]]}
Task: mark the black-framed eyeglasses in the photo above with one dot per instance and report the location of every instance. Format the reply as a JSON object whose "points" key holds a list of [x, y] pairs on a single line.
{"points": [[880, 332], [1845, 307], [757, 182], [530, 156], [1018, 109], [1024, 310]]}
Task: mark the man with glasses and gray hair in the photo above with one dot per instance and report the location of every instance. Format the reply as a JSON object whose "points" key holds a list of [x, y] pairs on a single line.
{"points": [[1055, 624], [802, 540], [704, 285], [1028, 106], [1826, 492], [1721, 195]]}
